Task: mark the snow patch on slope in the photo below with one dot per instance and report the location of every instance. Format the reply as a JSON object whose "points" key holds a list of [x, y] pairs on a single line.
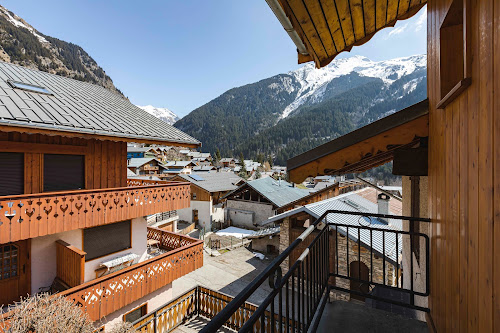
{"points": [[16, 21], [313, 82], [162, 113]]}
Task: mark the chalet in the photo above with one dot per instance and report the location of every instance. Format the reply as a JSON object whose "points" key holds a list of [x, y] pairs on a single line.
{"points": [[146, 166], [204, 168], [207, 196], [173, 168], [141, 152], [257, 200], [228, 162], [445, 148], [70, 221]]}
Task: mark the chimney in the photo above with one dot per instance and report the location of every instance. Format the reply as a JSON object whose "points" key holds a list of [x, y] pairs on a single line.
{"points": [[383, 204]]}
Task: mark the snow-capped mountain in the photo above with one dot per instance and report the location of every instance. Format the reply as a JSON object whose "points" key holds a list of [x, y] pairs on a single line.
{"points": [[313, 82], [289, 113], [162, 113]]}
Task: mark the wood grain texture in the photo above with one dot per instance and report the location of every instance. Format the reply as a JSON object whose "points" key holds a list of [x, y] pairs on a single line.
{"points": [[463, 179]]}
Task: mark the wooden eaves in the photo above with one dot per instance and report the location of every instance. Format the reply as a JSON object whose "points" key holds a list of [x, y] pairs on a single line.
{"points": [[364, 148]]}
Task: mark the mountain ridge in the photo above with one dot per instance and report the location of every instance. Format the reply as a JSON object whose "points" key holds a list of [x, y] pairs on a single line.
{"points": [[22, 44], [281, 116]]}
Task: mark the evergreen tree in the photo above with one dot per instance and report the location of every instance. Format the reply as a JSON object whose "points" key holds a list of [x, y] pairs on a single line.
{"points": [[242, 160], [257, 174]]}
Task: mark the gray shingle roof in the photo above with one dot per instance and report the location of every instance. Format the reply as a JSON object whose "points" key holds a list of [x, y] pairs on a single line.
{"points": [[137, 162], [214, 181], [279, 193], [354, 203], [77, 106]]}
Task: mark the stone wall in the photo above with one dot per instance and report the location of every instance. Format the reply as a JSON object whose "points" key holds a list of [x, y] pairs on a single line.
{"points": [[260, 244], [261, 212], [365, 257]]}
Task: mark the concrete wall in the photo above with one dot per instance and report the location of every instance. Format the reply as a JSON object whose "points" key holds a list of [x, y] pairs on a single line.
{"points": [[260, 244], [204, 213], [261, 212], [43, 257], [418, 266], [43, 253]]}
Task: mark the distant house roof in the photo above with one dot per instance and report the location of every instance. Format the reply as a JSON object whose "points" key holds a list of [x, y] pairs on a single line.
{"points": [[264, 232], [197, 154], [279, 193], [139, 149], [72, 106], [355, 203], [138, 162], [144, 177], [130, 173], [178, 163], [213, 181], [204, 168], [226, 160]]}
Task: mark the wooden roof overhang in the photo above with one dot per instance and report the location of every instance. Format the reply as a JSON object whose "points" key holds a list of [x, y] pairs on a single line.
{"points": [[364, 148], [328, 27]]}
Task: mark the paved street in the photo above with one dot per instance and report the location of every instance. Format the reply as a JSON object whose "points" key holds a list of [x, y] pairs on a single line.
{"points": [[228, 273]]}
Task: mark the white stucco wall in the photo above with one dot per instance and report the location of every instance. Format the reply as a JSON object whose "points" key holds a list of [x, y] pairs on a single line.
{"points": [[43, 253], [261, 212], [204, 213], [43, 257]]}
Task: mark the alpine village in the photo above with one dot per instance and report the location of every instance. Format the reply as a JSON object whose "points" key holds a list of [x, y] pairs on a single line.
{"points": [[346, 195]]}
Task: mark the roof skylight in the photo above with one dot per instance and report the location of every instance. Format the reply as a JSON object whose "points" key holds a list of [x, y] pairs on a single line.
{"points": [[29, 87]]}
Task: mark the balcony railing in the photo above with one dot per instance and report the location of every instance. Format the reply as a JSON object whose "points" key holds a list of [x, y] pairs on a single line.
{"points": [[300, 294], [112, 292], [33, 215]]}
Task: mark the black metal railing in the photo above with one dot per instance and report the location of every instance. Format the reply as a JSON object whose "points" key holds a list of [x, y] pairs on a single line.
{"points": [[326, 264]]}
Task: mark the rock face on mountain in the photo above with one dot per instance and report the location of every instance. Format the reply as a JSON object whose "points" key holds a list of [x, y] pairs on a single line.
{"points": [[22, 44], [287, 114], [162, 113]]}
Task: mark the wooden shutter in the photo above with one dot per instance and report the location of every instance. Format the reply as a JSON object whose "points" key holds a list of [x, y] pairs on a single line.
{"points": [[106, 239], [63, 172], [12, 171]]}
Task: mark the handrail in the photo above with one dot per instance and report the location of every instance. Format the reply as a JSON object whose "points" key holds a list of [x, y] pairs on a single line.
{"points": [[100, 190], [193, 243], [273, 271], [229, 309]]}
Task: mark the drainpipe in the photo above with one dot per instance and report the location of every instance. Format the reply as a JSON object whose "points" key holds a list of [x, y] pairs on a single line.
{"points": [[287, 25]]}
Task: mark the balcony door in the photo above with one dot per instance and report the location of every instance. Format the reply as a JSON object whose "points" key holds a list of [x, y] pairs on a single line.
{"points": [[15, 271]]}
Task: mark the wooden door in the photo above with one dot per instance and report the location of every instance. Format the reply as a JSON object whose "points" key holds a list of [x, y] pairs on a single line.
{"points": [[15, 272], [359, 270], [195, 215]]}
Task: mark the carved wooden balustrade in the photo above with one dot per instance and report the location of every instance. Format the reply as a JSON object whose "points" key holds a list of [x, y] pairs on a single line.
{"points": [[109, 293], [33, 215]]}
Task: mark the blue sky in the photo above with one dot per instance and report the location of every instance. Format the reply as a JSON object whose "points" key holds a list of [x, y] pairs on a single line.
{"points": [[180, 54]]}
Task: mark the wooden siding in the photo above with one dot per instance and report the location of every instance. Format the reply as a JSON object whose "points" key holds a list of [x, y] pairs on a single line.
{"points": [[464, 179], [112, 292], [70, 264], [29, 216], [105, 161]]}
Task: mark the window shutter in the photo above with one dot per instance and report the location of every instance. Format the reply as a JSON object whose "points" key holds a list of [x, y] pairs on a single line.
{"points": [[63, 172], [12, 171], [106, 239]]}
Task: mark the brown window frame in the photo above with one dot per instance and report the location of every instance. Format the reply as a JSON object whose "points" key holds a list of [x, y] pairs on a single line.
{"points": [[143, 308], [454, 37]]}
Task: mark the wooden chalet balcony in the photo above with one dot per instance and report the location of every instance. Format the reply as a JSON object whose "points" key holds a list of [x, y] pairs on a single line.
{"points": [[33, 215], [111, 292], [149, 167]]}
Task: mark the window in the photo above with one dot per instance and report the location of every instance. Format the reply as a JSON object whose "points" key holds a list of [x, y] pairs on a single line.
{"points": [[29, 87], [136, 313], [454, 53], [107, 239], [12, 171], [8, 261], [193, 196], [63, 172]]}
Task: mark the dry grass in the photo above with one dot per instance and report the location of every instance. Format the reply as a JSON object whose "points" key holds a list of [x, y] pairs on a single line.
{"points": [[51, 313]]}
